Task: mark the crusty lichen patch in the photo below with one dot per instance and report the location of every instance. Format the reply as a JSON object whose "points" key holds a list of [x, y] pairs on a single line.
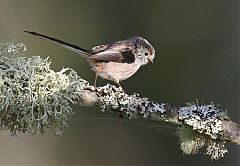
{"points": [[132, 105], [32, 96], [216, 149], [205, 119]]}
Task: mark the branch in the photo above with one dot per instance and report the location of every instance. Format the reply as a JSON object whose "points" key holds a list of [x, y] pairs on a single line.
{"points": [[34, 97], [204, 119]]}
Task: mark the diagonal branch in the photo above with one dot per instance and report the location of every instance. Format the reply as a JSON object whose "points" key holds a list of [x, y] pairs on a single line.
{"points": [[34, 97], [204, 119]]}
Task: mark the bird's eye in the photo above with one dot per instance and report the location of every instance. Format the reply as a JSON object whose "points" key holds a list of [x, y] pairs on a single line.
{"points": [[146, 53]]}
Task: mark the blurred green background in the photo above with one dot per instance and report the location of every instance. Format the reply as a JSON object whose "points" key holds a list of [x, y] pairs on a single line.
{"points": [[197, 56]]}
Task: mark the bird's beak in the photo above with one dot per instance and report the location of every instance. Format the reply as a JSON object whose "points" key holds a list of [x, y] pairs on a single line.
{"points": [[150, 60]]}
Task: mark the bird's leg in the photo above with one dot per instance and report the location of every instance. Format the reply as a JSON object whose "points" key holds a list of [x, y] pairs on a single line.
{"points": [[95, 81], [119, 85]]}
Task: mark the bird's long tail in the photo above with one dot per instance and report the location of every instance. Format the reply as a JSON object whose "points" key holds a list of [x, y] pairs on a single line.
{"points": [[83, 52]]}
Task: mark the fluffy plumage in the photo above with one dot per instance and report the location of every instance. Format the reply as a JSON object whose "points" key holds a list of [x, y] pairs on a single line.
{"points": [[116, 61]]}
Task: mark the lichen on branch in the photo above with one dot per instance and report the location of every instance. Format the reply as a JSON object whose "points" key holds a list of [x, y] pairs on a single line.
{"points": [[34, 97]]}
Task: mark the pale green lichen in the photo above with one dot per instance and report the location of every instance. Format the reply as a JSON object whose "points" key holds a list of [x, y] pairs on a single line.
{"points": [[32, 96], [191, 142]]}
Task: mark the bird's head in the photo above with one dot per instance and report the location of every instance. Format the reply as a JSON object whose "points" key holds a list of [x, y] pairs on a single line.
{"points": [[145, 52]]}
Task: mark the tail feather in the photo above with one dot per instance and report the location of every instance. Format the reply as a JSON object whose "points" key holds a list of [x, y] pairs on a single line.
{"points": [[85, 53]]}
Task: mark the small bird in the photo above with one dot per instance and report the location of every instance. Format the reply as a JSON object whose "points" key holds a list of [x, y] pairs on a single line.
{"points": [[116, 61]]}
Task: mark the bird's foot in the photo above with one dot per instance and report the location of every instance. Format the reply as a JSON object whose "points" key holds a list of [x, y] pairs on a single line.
{"points": [[119, 86], [91, 88]]}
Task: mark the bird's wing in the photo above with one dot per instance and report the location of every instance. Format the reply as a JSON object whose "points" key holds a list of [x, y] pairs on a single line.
{"points": [[111, 55], [72, 47], [100, 48]]}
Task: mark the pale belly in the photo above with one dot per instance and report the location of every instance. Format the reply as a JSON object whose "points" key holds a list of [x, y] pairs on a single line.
{"points": [[117, 71]]}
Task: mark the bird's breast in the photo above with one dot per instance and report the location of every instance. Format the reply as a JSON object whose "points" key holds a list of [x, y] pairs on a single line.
{"points": [[115, 71]]}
